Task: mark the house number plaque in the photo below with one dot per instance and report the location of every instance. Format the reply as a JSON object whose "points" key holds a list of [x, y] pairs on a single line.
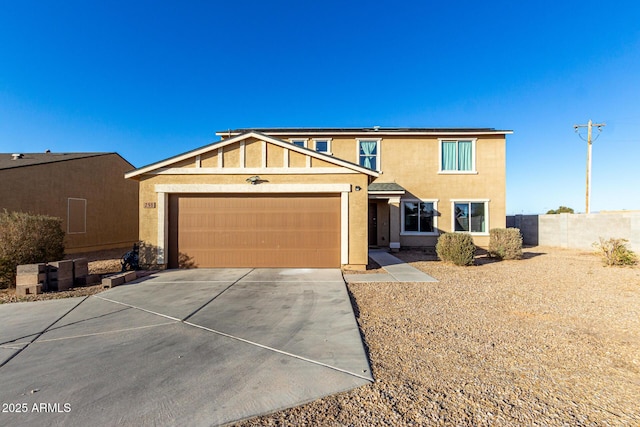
{"points": [[149, 205]]}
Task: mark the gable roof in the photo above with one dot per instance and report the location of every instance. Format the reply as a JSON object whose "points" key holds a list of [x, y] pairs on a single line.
{"points": [[251, 134], [8, 161], [376, 130]]}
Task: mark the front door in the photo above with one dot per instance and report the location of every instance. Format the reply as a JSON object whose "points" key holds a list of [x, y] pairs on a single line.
{"points": [[373, 224]]}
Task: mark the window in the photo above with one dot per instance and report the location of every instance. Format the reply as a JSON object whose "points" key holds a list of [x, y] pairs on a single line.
{"points": [[369, 153], [299, 142], [457, 156], [323, 145], [470, 217], [419, 217]]}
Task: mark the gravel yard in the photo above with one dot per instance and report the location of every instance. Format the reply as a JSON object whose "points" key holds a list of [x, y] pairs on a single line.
{"points": [[550, 340]]}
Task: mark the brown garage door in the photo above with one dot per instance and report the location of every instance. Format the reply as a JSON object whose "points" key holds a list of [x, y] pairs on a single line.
{"points": [[254, 231]]}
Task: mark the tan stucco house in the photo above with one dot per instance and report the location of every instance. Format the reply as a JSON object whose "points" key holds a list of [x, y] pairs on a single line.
{"points": [[98, 207], [309, 197]]}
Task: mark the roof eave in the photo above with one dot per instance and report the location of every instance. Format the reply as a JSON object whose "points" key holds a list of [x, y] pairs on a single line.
{"points": [[372, 132], [161, 164]]}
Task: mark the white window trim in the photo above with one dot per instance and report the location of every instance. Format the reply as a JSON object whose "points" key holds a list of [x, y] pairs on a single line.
{"points": [[419, 233], [315, 140], [473, 170], [378, 156], [486, 213], [305, 141]]}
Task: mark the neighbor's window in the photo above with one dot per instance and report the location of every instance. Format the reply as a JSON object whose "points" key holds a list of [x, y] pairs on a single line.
{"points": [[323, 145], [418, 217], [470, 217], [369, 153], [457, 156]]}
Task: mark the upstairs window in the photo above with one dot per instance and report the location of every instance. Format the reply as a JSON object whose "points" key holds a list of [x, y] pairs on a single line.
{"points": [[369, 153], [299, 142], [457, 156], [323, 145]]}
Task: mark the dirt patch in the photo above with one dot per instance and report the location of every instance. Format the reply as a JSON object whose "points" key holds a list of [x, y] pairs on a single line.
{"points": [[553, 339]]}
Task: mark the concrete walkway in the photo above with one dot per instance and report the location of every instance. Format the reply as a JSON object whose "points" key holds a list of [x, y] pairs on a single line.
{"points": [[199, 347], [397, 270]]}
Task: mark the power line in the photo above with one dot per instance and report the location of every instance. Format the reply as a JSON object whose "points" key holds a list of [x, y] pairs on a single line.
{"points": [[589, 127]]}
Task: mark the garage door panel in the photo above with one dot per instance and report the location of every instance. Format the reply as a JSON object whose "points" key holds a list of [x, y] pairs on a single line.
{"points": [[258, 231], [237, 258]]}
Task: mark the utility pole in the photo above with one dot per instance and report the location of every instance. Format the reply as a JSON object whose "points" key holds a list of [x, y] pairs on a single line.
{"points": [[589, 127]]}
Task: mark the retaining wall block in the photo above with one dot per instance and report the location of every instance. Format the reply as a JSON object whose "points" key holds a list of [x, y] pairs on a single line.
{"points": [[31, 268], [130, 276], [80, 267], [24, 290], [64, 268], [112, 281], [31, 278], [65, 284]]}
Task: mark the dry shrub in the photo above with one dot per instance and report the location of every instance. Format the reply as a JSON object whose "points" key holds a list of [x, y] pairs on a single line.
{"points": [[505, 243], [615, 252], [457, 248], [27, 239]]}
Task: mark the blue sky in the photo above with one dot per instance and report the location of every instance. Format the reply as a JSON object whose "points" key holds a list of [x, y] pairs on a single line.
{"points": [[153, 79]]}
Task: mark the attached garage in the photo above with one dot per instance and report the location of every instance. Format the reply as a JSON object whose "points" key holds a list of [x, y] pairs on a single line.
{"points": [[253, 201], [227, 230]]}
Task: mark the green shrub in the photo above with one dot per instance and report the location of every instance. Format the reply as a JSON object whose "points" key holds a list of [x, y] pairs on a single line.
{"points": [[561, 209], [27, 239], [505, 243], [457, 248], [615, 252]]}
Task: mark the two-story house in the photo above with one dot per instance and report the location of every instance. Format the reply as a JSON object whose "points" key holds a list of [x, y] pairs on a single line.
{"points": [[308, 197]]}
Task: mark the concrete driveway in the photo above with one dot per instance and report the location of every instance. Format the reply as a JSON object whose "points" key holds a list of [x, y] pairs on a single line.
{"points": [[183, 347]]}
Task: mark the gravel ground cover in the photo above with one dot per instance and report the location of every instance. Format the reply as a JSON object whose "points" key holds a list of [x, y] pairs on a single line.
{"points": [[550, 340]]}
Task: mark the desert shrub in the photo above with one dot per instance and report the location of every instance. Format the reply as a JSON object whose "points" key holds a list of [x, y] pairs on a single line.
{"points": [[457, 248], [561, 209], [27, 239], [505, 243], [615, 252]]}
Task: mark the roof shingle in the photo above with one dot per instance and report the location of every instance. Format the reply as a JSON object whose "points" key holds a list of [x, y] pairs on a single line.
{"points": [[32, 159]]}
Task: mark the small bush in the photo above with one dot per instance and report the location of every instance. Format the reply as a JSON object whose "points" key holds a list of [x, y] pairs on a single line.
{"points": [[27, 239], [457, 248], [615, 252], [505, 243], [561, 209]]}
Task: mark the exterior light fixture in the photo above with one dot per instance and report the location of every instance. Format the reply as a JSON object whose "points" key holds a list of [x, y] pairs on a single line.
{"points": [[253, 180], [358, 188]]}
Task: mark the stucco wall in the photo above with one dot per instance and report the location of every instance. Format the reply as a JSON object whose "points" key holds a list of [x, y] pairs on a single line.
{"points": [[577, 231], [149, 202], [111, 200], [414, 162]]}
